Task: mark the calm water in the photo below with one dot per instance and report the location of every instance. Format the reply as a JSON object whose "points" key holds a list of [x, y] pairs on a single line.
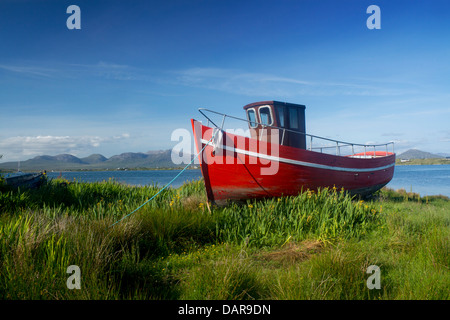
{"points": [[159, 177], [425, 180]]}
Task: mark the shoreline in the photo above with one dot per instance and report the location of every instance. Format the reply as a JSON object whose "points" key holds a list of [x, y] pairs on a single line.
{"points": [[422, 162]]}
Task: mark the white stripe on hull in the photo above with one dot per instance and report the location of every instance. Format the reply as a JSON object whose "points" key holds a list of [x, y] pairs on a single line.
{"points": [[296, 162]]}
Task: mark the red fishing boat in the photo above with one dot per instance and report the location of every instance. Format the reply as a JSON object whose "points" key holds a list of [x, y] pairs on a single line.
{"points": [[277, 158]]}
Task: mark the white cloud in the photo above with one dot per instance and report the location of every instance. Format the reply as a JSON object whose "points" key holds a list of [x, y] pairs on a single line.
{"points": [[25, 147], [29, 70], [109, 71], [261, 84], [101, 69]]}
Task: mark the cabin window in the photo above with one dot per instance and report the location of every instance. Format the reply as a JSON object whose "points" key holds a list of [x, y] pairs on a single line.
{"points": [[265, 115], [280, 113], [293, 118], [251, 114]]}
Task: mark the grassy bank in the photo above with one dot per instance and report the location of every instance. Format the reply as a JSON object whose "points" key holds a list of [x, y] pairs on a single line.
{"points": [[317, 245]]}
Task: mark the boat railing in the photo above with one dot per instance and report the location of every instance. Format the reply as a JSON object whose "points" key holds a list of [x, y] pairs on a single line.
{"points": [[365, 150]]}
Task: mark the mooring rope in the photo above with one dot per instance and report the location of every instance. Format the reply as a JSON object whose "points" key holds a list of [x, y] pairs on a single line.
{"points": [[206, 144]]}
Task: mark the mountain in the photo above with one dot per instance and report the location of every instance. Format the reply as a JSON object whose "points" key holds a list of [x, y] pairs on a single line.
{"points": [[417, 154], [94, 158], [45, 161], [446, 155], [160, 159], [67, 158], [148, 160], [128, 156]]}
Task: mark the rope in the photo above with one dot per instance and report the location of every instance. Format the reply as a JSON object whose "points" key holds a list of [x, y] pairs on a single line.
{"points": [[164, 186]]}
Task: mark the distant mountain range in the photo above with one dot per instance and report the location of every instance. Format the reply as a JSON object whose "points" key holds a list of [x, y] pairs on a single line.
{"points": [[62, 162], [418, 154]]}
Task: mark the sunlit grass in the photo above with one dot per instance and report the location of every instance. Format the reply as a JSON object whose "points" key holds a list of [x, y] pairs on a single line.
{"points": [[316, 245], [328, 215]]}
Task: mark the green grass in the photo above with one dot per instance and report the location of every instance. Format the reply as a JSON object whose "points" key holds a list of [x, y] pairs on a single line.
{"points": [[317, 245]]}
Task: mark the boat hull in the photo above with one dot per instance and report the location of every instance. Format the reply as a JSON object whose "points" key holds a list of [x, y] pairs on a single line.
{"points": [[239, 168], [29, 180]]}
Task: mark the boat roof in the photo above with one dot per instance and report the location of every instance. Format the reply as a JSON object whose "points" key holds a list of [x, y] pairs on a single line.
{"points": [[273, 102]]}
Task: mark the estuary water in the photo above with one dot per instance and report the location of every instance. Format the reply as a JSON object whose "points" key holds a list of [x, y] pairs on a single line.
{"points": [[143, 177], [426, 180], [422, 179]]}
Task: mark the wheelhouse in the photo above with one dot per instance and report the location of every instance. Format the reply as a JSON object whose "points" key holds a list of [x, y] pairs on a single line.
{"points": [[265, 116]]}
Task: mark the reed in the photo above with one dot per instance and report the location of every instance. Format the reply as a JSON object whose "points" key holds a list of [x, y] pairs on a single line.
{"points": [[327, 215], [316, 245]]}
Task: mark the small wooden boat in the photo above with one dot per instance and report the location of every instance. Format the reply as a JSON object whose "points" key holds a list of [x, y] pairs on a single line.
{"points": [[25, 180], [280, 159]]}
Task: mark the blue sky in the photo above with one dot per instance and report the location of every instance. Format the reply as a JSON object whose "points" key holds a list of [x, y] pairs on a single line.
{"points": [[138, 70]]}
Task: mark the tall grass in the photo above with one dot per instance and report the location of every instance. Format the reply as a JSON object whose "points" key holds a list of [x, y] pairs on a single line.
{"points": [[316, 245], [327, 215]]}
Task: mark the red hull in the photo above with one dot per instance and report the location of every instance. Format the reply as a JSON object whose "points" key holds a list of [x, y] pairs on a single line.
{"points": [[238, 169]]}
